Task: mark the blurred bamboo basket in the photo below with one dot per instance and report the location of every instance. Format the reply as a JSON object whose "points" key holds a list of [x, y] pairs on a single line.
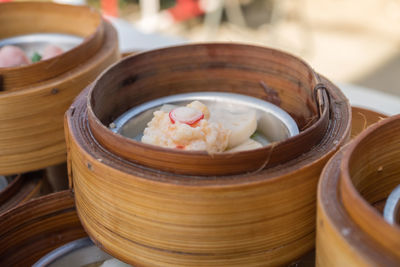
{"points": [[34, 97], [362, 118], [30, 231], [152, 206], [350, 231], [23, 188]]}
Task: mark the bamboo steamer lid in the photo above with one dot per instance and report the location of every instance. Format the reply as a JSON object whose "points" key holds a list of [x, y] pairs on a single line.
{"points": [[190, 216], [34, 97], [30, 231], [350, 230]]}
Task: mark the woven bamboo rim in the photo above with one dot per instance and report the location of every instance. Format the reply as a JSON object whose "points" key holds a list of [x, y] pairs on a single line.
{"points": [[349, 230], [21, 189], [147, 217], [31, 124], [30, 231], [271, 75], [25, 18]]}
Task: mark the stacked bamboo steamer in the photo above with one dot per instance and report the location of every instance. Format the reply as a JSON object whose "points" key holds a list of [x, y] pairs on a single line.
{"points": [[158, 207], [33, 229], [350, 227], [33, 98]]}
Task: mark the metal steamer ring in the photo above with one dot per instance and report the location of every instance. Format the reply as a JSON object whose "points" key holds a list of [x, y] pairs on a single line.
{"points": [[273, 122], [392, 207]]}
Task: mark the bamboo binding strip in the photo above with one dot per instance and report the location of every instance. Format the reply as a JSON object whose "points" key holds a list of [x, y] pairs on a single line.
{"points": [[149, 217], [30, 231], [351, 230], [35, 97]]}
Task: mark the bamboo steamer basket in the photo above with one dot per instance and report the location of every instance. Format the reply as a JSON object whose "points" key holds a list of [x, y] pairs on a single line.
{"points": [[30, 231], [23, 188], [362, 118], [200, 212], [39, 226], [351, 230], [35, 97]]}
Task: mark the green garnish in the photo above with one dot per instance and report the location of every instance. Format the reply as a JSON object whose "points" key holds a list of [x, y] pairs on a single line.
{"points": [[36, 57]]}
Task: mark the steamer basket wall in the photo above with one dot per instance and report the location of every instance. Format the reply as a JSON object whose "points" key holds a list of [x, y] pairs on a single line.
{"points": [[351, 229], [34, 98], [201, 210], [30, 231]]}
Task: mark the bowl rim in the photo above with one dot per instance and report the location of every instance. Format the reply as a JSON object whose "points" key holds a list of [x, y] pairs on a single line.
{"points": [[62, 251]]}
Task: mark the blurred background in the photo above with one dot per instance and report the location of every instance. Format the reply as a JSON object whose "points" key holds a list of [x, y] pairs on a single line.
{"points": [[349, 41]]}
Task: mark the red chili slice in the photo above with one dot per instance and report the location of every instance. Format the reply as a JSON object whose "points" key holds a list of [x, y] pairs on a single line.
{"points": [[189, 116]]}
